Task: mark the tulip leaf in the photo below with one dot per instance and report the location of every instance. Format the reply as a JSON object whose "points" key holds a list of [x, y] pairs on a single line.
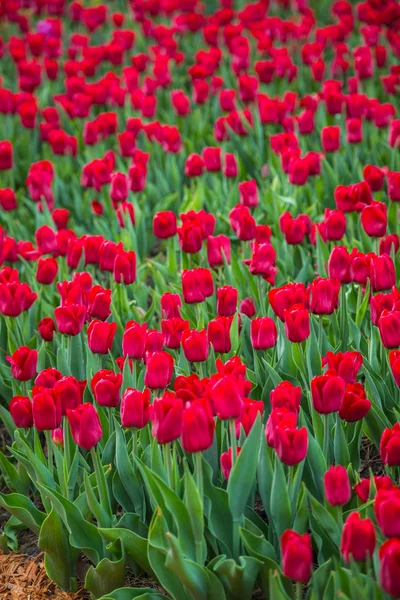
{"points": [[106, 576], [60, 559], [23, 509], [217, 510], [281, 512], [194, 505], [340, 444], [237, 579], [128, 593], [327, 522], [264, 475], [243, 474], [135, 546], [15, 479], [129, 477]]}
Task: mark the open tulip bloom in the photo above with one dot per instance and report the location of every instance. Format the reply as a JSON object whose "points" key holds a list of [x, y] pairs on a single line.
{"points": [[199, 295]]}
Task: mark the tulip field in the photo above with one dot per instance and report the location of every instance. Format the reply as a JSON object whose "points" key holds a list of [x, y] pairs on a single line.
{"points": [[200, 297]]}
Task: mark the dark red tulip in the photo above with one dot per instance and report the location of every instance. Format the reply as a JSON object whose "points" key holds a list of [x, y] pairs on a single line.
{"points": [[70, 318], [327, 393], [195, 345], [324, 295], [85, 426], [291, 444], [135, 408], [21, 411], [166, 418], [297, 557], [106, 386], [390, 446], [159, 369], [263, 333], [23, 363], [358, 538], [297, 323], [355, 405], [198, 426], [337, 486]]}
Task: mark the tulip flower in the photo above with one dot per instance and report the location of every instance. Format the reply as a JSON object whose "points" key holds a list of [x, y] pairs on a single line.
{"points": [[386, 507], [134, 409], [124, 269], [164, 224], [197, 285], [339, 264], [251, 410], [330, 138], [46, 411], [21, 411], [285, 297], [218, 249], [166, 418], [247, 307], [297, 558], [173, 330], [327, 393], [48, 378], [57, 437], [195, 345], [159, 369], [228, 398], [227, 297], [134, 340], [389, 573], [212, 159], [226, 461], [297, 323], [394, 360], [70, 318], [170, 305], [85, 426], [390, 446], [68, 392], [101, 336], [287, 396], [358, 538], [219, 334], [374, 219], [198, 426], [362, 489], [324, 296], [389, 328], [15, 298], [99, 302], [291, 444], [263, 333], [346, 364], [355, 404], [248, 193], [23, 363], [393, 179], [337, 486], [106, 387]]}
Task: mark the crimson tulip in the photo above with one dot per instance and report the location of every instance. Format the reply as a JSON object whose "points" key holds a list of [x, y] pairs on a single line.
{"points": [[297, 557], [337, 486], [159, 369], [166, 418], [23, 363], [21, 411], [85, 426], [135, 407], [358, 538]]}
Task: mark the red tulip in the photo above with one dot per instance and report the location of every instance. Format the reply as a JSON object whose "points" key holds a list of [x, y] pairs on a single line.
{"points": [[226, 461], [170, 305], [248, 193], [279, 417], [297, 323], [337, 486], [125, 267], [358, 538], [286, 395], [389, 574], [393, 186], [285, 297], [106, 386], [134, 340], [374, 176], [195, 345], [346, 364], [247, 307], [68, 392], [194, 165], [263, 333], [101, 336], [324, 296], [297, 556], [6, 155], [228, 398], [374, 219], [227, 297], [218, 248], [15, 298], [389, 328], [197, 285], [291, 444], [135, 408], [362, 489], [355, 404], [85, 426], [212, 159], [70, 318], [252, 408], [330, 138], [99, 302], [198, 426], [164, 224], [383, 276], [46, 412], [327, 393], [159, 369], [46, 270], [23, 363], [335, 225], [390, 446], [166, 418], [387, 506], [339, 264], [21, 411], [219, 334], [173, 330]]}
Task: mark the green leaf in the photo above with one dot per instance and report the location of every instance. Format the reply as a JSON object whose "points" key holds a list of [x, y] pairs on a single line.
{"points": [[106, 576], [128, 593], [134, 545], [194, 505], [281, 512], [237, 579], [23, 508], [15, 480], [340, 444], [128, 475]]}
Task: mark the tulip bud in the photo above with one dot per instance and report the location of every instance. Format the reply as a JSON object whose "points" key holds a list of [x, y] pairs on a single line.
{"points": [[297, 323], [389, 574], [85, 426], [394, 360], [291, 444], [48, 378], [164, 224], [21, 411], [99, 302], [135, 408], [124, 269], [134, 340], [389, 328], [383, 276], [252, 408], [198, 426], [263, 333], [327, 393], [297, 556], [46, 411], [195, 345], [227, 297], [355, 404], [387, 506], [346, 364], [337, 486], [46, 270], [248, 193], [228, 398], [173, 330], [324, 296], [106, 387], [285, 297], [219, 334], [330, 138], [170, 305], [279, 417], [226, 461], [57, 437], [166, 418], [218, 248], [286, 395], [70, 318], [159, 369], [101, 336], [390, 446], [358, 538], [247, 307], [23, 363], [197, 285], [362, 489]]}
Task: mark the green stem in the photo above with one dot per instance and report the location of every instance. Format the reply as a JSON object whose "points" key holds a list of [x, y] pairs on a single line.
{"points": [[69, 354], [299, 590], [168, 464], [232, 435], [135, 442], [101, 482], [49, 444], [199, 481], [326, 438], [110, 421], [320, 328]]}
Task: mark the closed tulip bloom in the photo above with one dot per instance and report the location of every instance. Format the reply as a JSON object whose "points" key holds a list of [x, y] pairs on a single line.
{"points": [[354, 131], [48, 378], [247, 307], [297, 323], [387, 507], [297, 556], [228, 398], [219, 334], [46, 240], [107, 253], [279, 417], [124, 269], [263, 333], [6, 155], [154, 340], [226, 462], [212, 159], [166, 418], [358, 538], [362, 489], [346, 364], [394, 360], [46, 270], [230, 165], [291, 444], [374, 176], [330, 138], [15, 298], [389, 328], [383, 275], [285, 297], [327, 393], [337, 486], [378, 304], [99, 302], [389, 573], [227, 298], [196, 285], [242, 222], [390, 446], [173, 330], [324, 296], [134, 409], [164, 224], [374, 219], [252, 408], [68, 392], [393, 179], [294, 230], [134, 340], [170, 305], [57, 437], [70, 318], [85, 426], [218, 249], [355, 405], [389, 243], [335, 224], [339, 264], [195, 345], [101, 336], [21, 411], [190, 236], [159, 369], [46, 412], [286, 395], [248, 193], [194, 165], [106, 386], [198, 426], [23, 363]]}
